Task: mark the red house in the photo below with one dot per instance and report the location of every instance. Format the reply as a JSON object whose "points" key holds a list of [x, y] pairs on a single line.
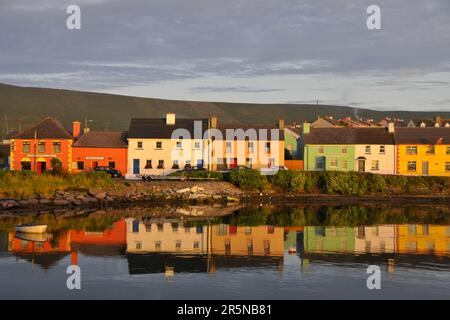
{"points": [[35, 148]]}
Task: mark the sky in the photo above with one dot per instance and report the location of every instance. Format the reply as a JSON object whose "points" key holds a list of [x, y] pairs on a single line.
{"points": [[261, 51]]}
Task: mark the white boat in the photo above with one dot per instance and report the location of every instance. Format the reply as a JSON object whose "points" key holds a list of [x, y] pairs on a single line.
{"points": [[33, 237], [31, 228]]}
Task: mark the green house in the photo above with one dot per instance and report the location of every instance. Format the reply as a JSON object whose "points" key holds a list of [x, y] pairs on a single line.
{"points": [[323, 150], [292, 143]]}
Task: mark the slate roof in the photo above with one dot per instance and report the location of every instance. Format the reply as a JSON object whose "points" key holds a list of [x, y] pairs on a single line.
{"points": [[49, 128], [429, 135], [158, 129], [224, 126], [102, 139], [349, 136]]}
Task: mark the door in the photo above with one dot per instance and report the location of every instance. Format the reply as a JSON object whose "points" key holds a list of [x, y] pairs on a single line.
{"points": [[136, 169], [41, 167], [271, 162], [361, 165], [233, 163], [94, 165], [425, 168]]}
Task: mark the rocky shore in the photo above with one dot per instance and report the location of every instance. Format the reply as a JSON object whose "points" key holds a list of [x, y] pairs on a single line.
{"points": [[134, 192]]}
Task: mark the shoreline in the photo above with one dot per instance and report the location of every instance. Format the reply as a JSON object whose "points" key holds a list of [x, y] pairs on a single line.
{"points": [[195, 193]]}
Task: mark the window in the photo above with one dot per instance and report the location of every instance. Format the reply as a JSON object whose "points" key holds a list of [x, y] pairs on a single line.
{"points": [[175, 164], [448, 150], [160, 227], [267, 147], [320, 164], [447, 166], [196, 244], [158, 145], [138, 245], [41, 147], [160, 164], [375, 165], [250, 147], [344, 164], [249, 247], [197, 145], [430, 150], [200, 163], [111, 164], [222, 230], [248, 162], [412, 166], [179, 146], [148, 164], [320, 149], [157, 245], [382, 149], [80, 165], [148, 228], [139, 144], [270, 229], [178, 245], [56, 147], [344, 150], [227, 247], [228, 146], [135, 226], [248, 230], [175, 227], [25, 147], [411, 150], [334, 163], [367, 150], [266, 247]]}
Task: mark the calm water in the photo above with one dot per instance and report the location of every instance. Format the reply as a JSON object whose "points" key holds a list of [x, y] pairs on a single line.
{"points": [[272, 253]]}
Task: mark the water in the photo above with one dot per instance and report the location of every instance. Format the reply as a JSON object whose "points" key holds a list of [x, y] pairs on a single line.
{"points": [[253, 253]]}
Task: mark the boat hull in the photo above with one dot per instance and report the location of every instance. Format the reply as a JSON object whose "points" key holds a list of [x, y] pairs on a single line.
{"points": [[31, 228]]}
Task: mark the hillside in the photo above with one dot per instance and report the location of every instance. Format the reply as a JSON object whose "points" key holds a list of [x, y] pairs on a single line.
{"points": [[31, 104]]}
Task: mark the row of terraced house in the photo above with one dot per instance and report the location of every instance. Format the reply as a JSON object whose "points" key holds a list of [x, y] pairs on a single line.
{"points": [[161, 146]]}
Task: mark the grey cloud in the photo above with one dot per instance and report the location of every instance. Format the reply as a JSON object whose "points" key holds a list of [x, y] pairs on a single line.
{"points": [[242, 89]]}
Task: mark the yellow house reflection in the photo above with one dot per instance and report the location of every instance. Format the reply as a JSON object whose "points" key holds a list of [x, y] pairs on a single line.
{"points": [[423, 238]]}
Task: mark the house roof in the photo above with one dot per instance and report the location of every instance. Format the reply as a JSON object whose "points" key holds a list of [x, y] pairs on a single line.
{"points": [[428, 135], [158, 129], [49, 128], [257, 127], [349, 136], [102, 139]]}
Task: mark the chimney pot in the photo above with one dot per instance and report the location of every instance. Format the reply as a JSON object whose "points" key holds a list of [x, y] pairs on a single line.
{"points": [[170, 118], [76, 129]]}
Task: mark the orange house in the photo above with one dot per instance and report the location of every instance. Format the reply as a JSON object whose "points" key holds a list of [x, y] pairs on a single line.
{"points": [[117, 235], [35, 148], [101, 148]]}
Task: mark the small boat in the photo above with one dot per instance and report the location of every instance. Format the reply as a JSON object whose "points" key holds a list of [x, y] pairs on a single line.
{"points": [[33, 237], [292, 250], [31, 228]]}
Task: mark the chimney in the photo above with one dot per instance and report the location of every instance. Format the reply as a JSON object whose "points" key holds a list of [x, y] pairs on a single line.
{"points": [[391, 127], [306, 128], [213, 122], [170, 118], [76, 129], [281, 124], [437, 119]]}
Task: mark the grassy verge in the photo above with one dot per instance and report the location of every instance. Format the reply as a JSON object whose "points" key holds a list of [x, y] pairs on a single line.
{"points": [[19, 184]]}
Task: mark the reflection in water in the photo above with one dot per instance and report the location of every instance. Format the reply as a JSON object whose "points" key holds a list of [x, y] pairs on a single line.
{"points": [[248, 241]]}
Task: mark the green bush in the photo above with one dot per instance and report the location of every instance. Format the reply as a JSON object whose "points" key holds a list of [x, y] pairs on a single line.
{"points": [[290, 180], [198, 174], [248, 179]]}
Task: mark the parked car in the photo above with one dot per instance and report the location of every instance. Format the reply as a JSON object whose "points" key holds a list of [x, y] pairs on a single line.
{"points": [[112, 172], [272, 170], [240, 168]]}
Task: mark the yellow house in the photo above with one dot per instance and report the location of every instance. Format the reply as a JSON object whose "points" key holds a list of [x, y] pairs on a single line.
{"points": [[250, 145], [423, 151], [162, 146]]}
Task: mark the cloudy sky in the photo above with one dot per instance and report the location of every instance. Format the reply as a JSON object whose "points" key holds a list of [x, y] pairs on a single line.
{"points": [[264, 51]]}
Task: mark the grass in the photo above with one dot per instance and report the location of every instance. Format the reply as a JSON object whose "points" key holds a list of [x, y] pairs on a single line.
{"points": [[19, 184]]}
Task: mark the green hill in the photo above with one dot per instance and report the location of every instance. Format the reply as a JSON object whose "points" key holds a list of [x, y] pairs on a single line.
{"points": [[31, 104]]}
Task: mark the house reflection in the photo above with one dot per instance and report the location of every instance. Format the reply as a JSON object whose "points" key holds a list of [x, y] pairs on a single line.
{"points": [[159, 245]]}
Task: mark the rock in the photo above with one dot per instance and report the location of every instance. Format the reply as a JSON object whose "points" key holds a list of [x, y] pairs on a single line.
{"points": [[61, 202], [29, 202], [186, 195], [45, 201], [194, 189], [100, 196], [10, 204], [183, 191], [231, 199]]}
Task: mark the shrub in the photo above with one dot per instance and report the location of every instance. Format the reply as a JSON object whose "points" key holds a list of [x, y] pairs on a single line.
{"points": [[198, 174], [248, 179]]}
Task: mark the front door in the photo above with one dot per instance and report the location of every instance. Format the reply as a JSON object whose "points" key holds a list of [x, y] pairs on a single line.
{"points": [[41, 167], [136, 169], [425, 168], [94, 165], [361, 165]]}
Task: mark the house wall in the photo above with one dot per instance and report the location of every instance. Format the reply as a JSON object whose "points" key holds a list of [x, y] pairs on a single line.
{"points": [[331, 152], [418, 238], [292, 145], [100, 155], [375, 239], [386, 160], [168, 153], [240, 150], [17, 154], [436, 161], [329, 239]]}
